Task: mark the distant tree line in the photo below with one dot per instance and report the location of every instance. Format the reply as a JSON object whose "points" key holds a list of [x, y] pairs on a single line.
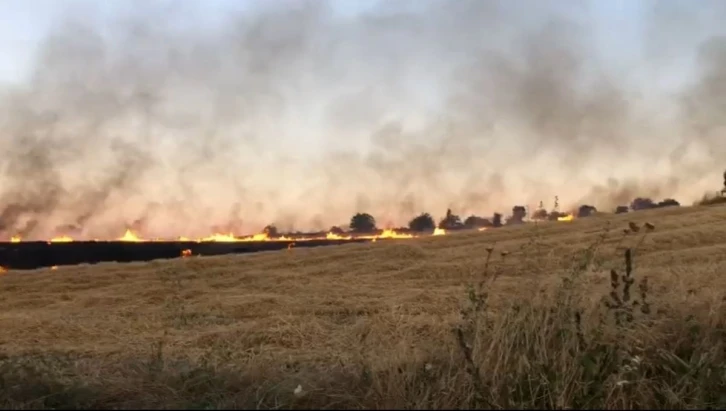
{"points": [[362, 223], [365, 223]]}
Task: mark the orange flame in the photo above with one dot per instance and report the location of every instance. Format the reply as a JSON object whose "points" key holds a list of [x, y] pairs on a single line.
{"points": [[130, 237], [186, 253], [568, 217]]}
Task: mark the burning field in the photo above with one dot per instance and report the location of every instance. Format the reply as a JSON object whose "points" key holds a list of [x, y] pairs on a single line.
{"points": [[18, 253], [370, 325], [218, 152]]}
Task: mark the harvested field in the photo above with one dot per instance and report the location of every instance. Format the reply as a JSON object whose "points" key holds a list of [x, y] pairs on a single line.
{"points": [[387, 324]]}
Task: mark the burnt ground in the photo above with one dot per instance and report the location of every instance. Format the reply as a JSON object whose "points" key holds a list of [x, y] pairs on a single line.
{"points": [[32, 255]]}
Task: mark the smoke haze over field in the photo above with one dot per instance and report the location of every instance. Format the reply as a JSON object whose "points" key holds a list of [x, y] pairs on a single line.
{"points": [[297, 114]]}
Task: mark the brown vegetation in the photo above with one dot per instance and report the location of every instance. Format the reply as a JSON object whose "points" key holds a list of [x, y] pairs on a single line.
{"points": [[534, 315]]}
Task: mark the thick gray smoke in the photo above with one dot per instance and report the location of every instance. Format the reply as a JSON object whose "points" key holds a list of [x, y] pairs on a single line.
{"points": [[291, 113]]}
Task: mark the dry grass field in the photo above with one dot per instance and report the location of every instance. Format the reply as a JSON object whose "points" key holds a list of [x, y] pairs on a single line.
{"points": [[527, 317]]}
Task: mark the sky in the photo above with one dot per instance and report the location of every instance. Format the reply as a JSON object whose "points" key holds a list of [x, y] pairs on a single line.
{"points": [[302, 112], [27, 22]]}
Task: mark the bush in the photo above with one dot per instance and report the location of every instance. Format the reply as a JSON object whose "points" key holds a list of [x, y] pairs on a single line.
{"points": [[476, 222], [586, 211], [423, 222], [451, 221], [711, 199], [641, 203]]}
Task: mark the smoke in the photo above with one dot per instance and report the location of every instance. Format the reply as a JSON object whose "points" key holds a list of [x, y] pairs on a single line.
{"points": [[291, 113]]}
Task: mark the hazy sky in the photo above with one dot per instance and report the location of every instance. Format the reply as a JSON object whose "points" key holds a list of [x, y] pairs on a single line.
{"points": [[183, 117]]}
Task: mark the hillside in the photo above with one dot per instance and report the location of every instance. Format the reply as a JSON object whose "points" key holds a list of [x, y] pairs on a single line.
{"points": [[371, 325]]}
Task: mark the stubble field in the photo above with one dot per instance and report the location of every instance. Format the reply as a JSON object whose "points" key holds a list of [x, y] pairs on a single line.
{"points": [[526, 316]]}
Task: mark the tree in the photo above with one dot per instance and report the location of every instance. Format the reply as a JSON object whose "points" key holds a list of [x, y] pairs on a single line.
{"points": [[518, 214], [586, 211], [336, 230], [641, 203], [423, 222], [271, 231], [476, 222], [497, 220], [451, 221], [669, 202], [540, 214], [362, 223], [621, 210]]}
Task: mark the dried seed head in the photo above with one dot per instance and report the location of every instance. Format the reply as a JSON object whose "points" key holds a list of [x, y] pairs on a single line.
{"points": [[626, 231], [505, 253], [633, 227], [489, 249], [649, 226]]}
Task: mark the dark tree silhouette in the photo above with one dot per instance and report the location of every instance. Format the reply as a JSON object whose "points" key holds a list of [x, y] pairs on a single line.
{"points": [[476, 222], [540, 214], [518, 214], [497, 220], [423, 222], [586, 211], [271, 231], [451, 221], [669, 202], [362, 223], [723, 190], [641, 203], [621, 209], [336, 230]]}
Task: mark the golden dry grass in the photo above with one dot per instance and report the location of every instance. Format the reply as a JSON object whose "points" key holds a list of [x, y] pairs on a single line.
{"points": [[372, 325]]}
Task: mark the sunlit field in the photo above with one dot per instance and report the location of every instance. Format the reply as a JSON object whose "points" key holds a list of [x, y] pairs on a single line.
{"points": [[551, 314]]}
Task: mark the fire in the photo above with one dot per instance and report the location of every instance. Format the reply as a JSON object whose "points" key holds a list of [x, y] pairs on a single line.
{"points": [[186, 253], [3, 270], [482, 228], [568, 217], [222, 238], [393, 234], [130, 237], [55, 267], [333, 236]]}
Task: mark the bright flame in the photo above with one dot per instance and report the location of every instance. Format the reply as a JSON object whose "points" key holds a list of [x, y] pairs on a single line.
{"points": [[568, 217], [482, 228], [393, 234], [186, 253], [55, 267], [222, 238], [333, 236], [3, 270], [130, 237]]}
